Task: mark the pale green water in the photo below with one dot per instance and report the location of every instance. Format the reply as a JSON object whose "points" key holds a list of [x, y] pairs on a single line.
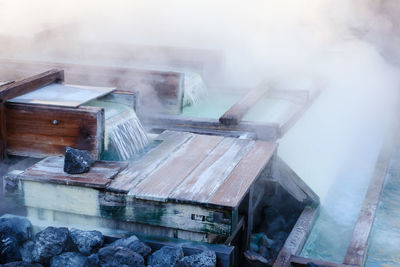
{"points": [[384, 250], [270, 110]]}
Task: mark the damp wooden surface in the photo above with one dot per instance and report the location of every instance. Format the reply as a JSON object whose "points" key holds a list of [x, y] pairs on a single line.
{"points": [[62, 95], [195, 169], [32, 130], [51, 170]]}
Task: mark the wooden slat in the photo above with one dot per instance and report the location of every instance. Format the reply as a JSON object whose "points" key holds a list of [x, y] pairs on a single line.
{"points": [[139, 170], [211, 173], [161, 183], [243, 176], [296, 261], [51, 170], [235, 114], [31, 130], [358, 247], [3, 132], [263, 131]]}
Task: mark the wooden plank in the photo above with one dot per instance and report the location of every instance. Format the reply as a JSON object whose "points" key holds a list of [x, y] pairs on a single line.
{"points": [[41, 130], [235, 114], [150, 162], [211, 173], [358, 247], [51, 170], [62, 95], [162, 182], [29, 84], [297, 237], [262, 131], [244, 175]]}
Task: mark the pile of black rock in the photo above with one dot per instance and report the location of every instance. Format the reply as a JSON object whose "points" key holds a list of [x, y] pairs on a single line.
{"points": [[63, 247]]}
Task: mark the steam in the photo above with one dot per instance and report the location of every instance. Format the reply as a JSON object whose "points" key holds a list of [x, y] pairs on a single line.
{"points": [[349, 46]]}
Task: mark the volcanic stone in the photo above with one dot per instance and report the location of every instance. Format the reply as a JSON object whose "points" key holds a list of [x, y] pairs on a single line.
{"points": [[205, 259], [134, 244], [9, 251], [69, 259], [118, 256], [26, 251], [77, 161], [166, 256], [49, 243], [87, 242], [20, 227]]}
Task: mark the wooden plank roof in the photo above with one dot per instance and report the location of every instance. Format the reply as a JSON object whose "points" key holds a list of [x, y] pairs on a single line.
{"points": [[190, 168]]}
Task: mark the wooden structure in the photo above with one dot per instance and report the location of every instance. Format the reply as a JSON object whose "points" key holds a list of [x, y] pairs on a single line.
{"points": [[159, 90], [37, 127], [194, 187], [161, 98]]}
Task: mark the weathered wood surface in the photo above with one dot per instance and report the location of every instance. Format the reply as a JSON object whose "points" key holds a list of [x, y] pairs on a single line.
{"points": [[164, 86], [206, 179], [14, 89], [358, 247], [51, 170], [160, 184], [144, 166], [297, 237], [235, 114], [62, 95], [263, 131], [32, 130]]}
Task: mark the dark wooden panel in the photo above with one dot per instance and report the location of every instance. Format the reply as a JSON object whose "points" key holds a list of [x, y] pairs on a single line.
{"points": [[50, 170], [235, 114], [31, 130]]}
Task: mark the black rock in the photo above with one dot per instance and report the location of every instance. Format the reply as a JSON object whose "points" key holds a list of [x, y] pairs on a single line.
{"points": [[69, 259], [20, 227], [205, 259], [21, 264], [134, 244], [93, 260], [49, 243], [87, 242], [166, 256], [77, 161], [118, 256], [9, 251], [26, 251]]}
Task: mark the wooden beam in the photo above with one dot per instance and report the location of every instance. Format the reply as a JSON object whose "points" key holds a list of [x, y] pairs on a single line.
{"points": [[235, 114], [296, 261], [262, 131], [30, 84], [357, 250], [297, 237]]}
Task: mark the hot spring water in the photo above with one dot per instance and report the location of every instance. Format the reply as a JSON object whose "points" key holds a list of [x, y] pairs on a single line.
{"points": [[124, 134]]}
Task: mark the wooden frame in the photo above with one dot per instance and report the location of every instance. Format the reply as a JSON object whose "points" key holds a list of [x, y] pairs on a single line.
{"points": [[11, 90]]}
